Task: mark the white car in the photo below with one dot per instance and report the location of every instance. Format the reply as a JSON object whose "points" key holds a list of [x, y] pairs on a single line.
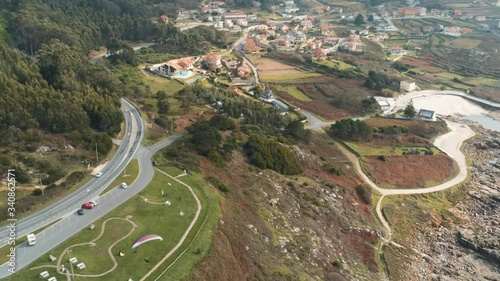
{"points": [[94, 202], [124, 185], [98, 175]]}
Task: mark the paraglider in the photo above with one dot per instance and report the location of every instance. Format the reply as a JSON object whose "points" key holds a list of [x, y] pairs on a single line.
{"points": [[145, 239]]}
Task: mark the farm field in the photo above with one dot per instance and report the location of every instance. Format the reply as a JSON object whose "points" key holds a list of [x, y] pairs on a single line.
{"points": [[330, 99], [366, 150], [334, 64], [410, 171], [463, 43], [293, 91], [271, 70]]}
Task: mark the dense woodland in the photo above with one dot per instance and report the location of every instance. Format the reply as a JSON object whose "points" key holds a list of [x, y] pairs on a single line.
{"points": [[61, 93]]}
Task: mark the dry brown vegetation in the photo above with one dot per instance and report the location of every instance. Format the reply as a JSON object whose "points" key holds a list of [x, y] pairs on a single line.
{"points": [[410, 171], [422, 63], [275, 227], [332, 98]]}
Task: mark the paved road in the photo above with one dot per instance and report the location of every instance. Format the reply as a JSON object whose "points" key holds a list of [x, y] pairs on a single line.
{"points": [[88, 191], [70, 222], [403, 100]]}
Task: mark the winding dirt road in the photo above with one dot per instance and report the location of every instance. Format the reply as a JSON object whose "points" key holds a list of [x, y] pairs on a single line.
{"points": [[449, 143], [188, 230]]}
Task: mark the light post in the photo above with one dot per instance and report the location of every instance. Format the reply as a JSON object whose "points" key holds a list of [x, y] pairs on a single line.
{"points": [[41, 184], [96, 153], [71, 264]]}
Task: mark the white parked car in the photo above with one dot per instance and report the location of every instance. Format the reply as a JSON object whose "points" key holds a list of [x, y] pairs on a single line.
{"points": [[98, 175], [124, 185]]}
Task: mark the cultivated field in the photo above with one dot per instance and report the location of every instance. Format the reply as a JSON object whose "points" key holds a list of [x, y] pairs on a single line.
{"points": [[330, 98], [410, 171], [272, 70]]}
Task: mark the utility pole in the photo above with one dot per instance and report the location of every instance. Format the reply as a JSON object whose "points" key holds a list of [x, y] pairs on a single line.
{"points": [[41, 185], [96, 153]]}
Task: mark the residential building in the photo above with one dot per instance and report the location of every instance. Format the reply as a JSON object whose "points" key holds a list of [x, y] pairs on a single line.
{"points": [[426, 114], [163, 19], [319, 54], [242, 22], [352, 44], [338, 10], [235, 16], [281, 106], [396, 50], [213, 60], [480, 18], [266, 96], [407, 86], [291, 9], [386, 104], [428, 28], [452, 30], [173, 67], [251, 47], [412, 11]]}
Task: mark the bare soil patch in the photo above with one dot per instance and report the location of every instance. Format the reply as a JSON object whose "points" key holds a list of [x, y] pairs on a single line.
{"points": [[271, 67], [422, 64], [410, 171]]}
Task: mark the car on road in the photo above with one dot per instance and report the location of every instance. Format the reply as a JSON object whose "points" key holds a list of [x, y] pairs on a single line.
{"points": [[94, 202], [87, 205], [124, 185], [80, 212], [98, 175]]}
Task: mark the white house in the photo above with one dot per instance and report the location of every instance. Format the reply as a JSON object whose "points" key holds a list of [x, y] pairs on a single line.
{"points": [[407, 86], [386, 104]]}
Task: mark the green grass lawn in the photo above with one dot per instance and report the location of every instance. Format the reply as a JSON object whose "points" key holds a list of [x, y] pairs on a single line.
{"points": [[128, 175], [463, 43], [334, 64], [151, 219], [365, 150], [292, 76], [157, 83], [294, 91]]}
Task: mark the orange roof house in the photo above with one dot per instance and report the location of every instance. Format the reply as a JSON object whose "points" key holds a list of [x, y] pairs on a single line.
{"points": [[251, 46]]}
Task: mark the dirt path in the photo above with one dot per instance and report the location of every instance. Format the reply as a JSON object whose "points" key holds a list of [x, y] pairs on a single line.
{"points": [[115, 263], [188, 230], [449, 143]]}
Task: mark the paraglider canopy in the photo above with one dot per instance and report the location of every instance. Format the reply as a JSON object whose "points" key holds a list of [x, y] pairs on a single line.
{"points": [[144, 239]]}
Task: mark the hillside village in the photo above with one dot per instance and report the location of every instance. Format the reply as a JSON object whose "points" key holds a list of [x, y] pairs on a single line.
{"points": [[317, 31]]}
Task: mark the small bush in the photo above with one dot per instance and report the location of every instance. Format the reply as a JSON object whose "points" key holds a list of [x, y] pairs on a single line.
{"points": [[381, 158], [365, 193], [220, 184], [333, 170], [37, 192]]}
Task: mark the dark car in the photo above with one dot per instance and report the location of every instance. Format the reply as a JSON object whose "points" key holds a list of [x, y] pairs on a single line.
{"points": [[80, 212]]}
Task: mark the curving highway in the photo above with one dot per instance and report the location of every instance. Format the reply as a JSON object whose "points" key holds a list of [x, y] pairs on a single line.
{"points": [[65, 210]]}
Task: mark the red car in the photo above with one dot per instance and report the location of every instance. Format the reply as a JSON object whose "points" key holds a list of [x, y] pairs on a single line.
{"points": [[87, 205]]}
